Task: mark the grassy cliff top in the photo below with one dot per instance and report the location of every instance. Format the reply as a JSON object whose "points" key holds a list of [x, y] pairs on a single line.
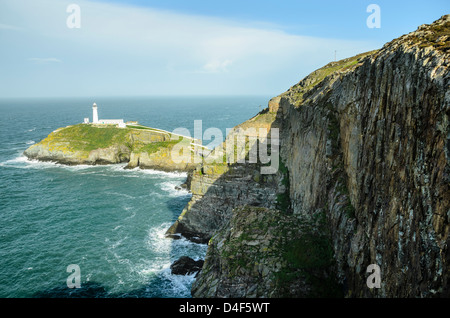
{"points": [[88, 137], [298, 92], [435, 35]]}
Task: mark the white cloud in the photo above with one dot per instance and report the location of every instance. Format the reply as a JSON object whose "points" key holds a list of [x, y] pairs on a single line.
{"points": [[143, 50]]}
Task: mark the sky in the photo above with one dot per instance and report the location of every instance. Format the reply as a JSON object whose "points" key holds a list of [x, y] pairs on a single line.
{"points": [[180, 47]]}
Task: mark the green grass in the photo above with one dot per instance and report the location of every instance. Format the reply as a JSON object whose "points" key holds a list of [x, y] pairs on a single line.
{"points": [[309, 257], [319, 75], [137, 127], [431, 39], [283, 202], [155, 146], [86, 137]]}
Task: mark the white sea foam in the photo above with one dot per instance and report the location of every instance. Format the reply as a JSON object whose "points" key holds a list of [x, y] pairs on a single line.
{"points": [[116, 167], [169, 187], [132, 215], [159, 173], [118, 243], [12, 162], [24, 162], [120, 194], [163, 246], [156, 239], [179, 284], [155, 268], [30, 142], [166, 251]]}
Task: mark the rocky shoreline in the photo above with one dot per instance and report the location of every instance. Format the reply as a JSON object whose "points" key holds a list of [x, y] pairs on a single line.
{"points": [[143, 148]]}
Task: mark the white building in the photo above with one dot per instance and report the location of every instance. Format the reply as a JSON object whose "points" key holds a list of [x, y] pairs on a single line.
{"points": [[94, 113], [119, 122]]}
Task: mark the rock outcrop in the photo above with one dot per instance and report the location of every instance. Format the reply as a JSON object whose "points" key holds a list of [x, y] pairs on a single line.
{"points": [[365, 145], [106, 144], [218, 187], [186, 266]]}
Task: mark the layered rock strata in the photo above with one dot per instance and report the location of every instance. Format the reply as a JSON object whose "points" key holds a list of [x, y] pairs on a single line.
{"points": [[366, 146]]}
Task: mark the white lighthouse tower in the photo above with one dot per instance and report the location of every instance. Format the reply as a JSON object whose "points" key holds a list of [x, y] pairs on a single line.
{"points": [[94, 113]]}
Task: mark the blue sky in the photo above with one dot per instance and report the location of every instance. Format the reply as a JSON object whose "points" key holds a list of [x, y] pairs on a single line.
{"points": [[195, 47]]}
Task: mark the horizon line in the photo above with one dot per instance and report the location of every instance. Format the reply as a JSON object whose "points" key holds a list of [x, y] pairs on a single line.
{"points": [[140, 96]]}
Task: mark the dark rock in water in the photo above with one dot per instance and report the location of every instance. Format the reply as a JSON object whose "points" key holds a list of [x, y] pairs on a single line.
{"points": [[186, 266], [174, 236]]}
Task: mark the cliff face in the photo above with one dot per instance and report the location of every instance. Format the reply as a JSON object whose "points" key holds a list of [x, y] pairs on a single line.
{"points": [[380, 169], [218, 187], [366, 144]]}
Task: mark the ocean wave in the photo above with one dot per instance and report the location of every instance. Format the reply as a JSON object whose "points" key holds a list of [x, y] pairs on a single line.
{"points": [[23, 162], [30, 142], [118, 243], [166, 252], [156, 239], [12, 162], [179, 285], [160, 173], [120, 194], [160, 244], [132, 215], [169, 187], [155, 268]]}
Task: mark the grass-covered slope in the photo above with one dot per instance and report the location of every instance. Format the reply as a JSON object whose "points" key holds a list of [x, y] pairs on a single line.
{"points": [[300, 92], [86, 138], [108, 144]]}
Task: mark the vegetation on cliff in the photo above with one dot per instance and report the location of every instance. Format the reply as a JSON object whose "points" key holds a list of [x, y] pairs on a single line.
{"points": [[364, 142], [107, 144], [86, 138]]}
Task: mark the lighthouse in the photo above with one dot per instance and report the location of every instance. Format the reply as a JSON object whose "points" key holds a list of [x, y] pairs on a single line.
{"points": [[117, 122], [94, 113]]}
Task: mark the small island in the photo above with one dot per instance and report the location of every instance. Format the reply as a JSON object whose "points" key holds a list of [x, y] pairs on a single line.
{"points": [[112, 141]]}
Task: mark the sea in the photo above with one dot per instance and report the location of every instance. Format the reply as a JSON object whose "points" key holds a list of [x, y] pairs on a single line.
{"points": [[97, 231]]}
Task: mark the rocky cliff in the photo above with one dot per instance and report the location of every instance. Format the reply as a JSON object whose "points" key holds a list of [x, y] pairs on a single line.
{"points": [[107, 144], [217, 187], [363, 179]]}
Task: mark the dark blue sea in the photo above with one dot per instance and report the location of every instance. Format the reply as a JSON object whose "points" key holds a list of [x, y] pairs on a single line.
{"points": [[108, 221]]}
